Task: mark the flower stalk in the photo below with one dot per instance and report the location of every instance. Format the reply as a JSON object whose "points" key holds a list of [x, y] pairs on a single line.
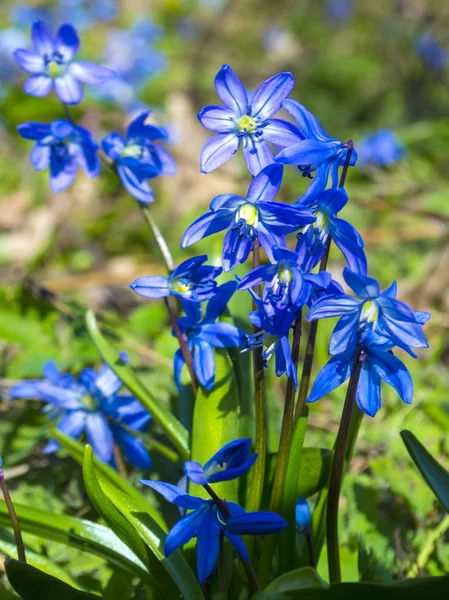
{"points": [[13, 518]]}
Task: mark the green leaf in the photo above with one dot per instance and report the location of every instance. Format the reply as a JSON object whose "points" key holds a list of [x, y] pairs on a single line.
{"points": [[79, 533], [216, 422], [436, 476], [137, 516], [305, 584], [174, 430], [76, 451], [32, 584]]}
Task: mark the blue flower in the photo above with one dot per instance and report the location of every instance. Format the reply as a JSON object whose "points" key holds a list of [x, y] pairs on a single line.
{"points": [[313, 238], [303, 518], [273, 324], [381, 149], [230, 462], [204, 334], [190, 281], [62, 147], [207, 523], [137, 158], [287, 286], [255, 217], [91, 404], [241, 121], [371, 313], [51, 64], [317, 155], [432, 52]]}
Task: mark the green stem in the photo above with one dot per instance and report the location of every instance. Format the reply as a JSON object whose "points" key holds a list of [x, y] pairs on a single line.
{"points": [[277, 494], [121, 467], [428, 547], [183, 345], [258, 471], [13, 518], [160, 240], [337, 470]]}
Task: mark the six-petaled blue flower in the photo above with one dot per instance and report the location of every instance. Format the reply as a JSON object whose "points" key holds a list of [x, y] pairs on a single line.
{"points": [[204, 334], [313, 238], [138, 158], [255, 217], [191, 280], [92, 404], [243, 122], [230, 462], [51, 64], [62, 147], [381, 149], [314, 152]]}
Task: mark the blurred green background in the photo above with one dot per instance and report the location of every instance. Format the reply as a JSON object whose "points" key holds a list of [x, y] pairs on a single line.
{"points": [[359, 66]]}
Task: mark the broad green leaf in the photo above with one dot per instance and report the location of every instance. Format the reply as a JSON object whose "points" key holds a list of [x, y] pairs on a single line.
{"points": [[305, 584], [137, 516], [79, 533], [216, 422], [436, 476], [32, 584], [76, 451], [174, 430], [8, 547]]}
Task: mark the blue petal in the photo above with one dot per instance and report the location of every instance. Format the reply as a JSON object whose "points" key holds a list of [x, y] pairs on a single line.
{"points": [[67, 41], [218, 150], [284, 217], [178, 365], [204, 363], [133, 448], [222, 335], [258, 276], [193, 313], [152, 286], [27, 390], [308, 124], [31, 62], [99, 435], [403, 333], [90, 73], [207, 544], [267, 99], [38, 85], [218, 119], [174, 494], [72, 425], [184, 530], [257, 154], [229, 201], [303, 518], [318, 184], [210, 223], [189, 266], [333, 200], [107, 382], [219, 302], [368, 390], [230, 462], [194, 472], [113, 144], [238, 544], [61, 181], [68, 90], [40, 157], [256, 523], [344, 336], [236, 249], [231, 91], [309, 152], [62, 128], [58, 396], [334, 305], [139, 189], [362, 285], [282, 133], [348, 240], [332, 375], [168, 165], [33, 130], [43, 41], [393, 371], [137, 126], [266, 184]]}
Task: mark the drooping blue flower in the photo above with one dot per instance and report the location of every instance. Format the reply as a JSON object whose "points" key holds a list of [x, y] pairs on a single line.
{"points": [[255, 217], [381, 149], [303, 518], [62, 147], [243, 122], [207, 523], [204, 334], [273, 324], [138, 158], [313, 238], [191, 280], [434, 55], [51, 64], [230, 462], [315, 153], [371, 312], [92, 404], [287, 286]]}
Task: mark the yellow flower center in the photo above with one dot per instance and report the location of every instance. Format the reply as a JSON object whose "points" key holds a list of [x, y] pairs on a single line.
{"points": [[180, 287], [285, 274], [246, 124], [53, 67], [321, 219], [131, 151], [248, 212], [370, 311]]}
